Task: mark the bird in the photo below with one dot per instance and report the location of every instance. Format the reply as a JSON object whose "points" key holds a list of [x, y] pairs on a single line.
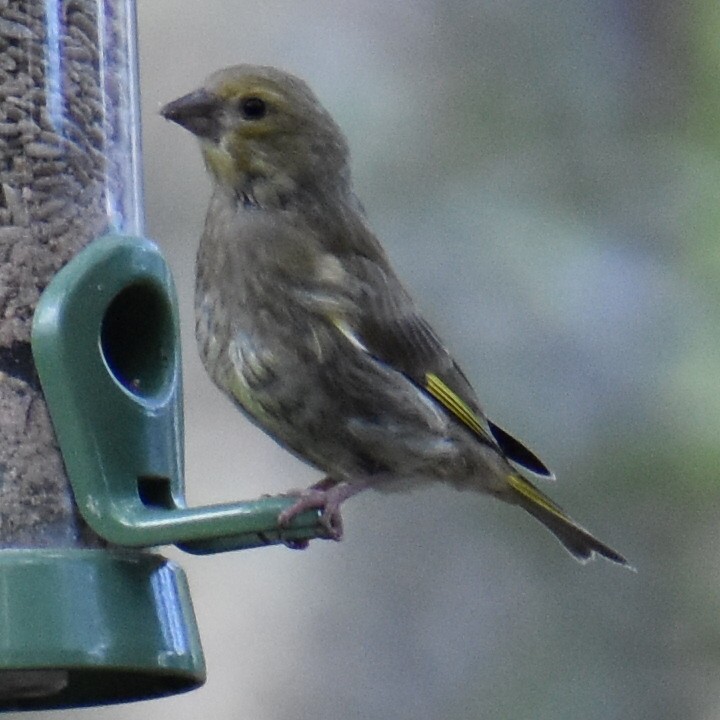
{"points": [[302, 322]]}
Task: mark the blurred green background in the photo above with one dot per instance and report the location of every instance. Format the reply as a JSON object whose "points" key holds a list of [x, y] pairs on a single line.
{"points": [[545, 176]]}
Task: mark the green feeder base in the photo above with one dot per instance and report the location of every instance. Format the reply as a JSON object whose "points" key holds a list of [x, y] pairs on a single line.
{"points": [[93, 627]]}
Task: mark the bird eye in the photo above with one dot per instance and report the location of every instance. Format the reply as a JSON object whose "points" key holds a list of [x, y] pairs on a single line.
{"points": [[253, 108]]}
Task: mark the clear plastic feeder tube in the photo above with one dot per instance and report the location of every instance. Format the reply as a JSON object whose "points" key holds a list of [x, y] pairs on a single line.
{"points": [[69, 118], [69, 173]]}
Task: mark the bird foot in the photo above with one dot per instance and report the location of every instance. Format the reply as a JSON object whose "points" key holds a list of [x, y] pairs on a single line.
{"points": [[326, 495]]}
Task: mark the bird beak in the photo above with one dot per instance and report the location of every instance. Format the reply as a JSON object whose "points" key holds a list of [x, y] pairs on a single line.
{"points": [[197, 112]]}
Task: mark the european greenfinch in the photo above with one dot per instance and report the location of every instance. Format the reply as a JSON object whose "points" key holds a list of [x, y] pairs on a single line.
{"points": [[302, 322]]}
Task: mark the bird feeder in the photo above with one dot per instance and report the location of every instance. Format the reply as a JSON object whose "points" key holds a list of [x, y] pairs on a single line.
{"points": [[91, 425]]}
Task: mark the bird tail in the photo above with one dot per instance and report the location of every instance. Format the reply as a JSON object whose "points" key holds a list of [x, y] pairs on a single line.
{"points": [[577, 541]]}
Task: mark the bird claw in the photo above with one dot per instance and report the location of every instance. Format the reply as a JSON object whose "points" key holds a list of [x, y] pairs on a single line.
{"points": [[296, 544], [315, 498]]}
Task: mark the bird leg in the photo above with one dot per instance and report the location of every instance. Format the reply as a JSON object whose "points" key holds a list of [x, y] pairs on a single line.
{"points": [[327, 495]]}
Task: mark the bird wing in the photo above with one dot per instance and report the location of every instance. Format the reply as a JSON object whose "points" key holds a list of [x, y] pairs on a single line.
{"points": [[388, 326]]}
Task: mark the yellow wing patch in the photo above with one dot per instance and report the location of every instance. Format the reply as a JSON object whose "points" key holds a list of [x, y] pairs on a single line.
{"points": [[531, 493], [454, 403]]}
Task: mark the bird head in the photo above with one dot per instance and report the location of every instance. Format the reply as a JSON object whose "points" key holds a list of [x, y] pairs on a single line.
{"points": [[263, 131]]}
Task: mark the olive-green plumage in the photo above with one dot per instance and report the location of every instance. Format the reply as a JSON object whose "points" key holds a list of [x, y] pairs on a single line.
{"points": [[303, 323]]}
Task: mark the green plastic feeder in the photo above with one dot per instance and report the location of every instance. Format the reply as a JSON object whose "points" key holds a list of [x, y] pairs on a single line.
{"points": [[107, 348], [96, 626], [89, 627]]}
